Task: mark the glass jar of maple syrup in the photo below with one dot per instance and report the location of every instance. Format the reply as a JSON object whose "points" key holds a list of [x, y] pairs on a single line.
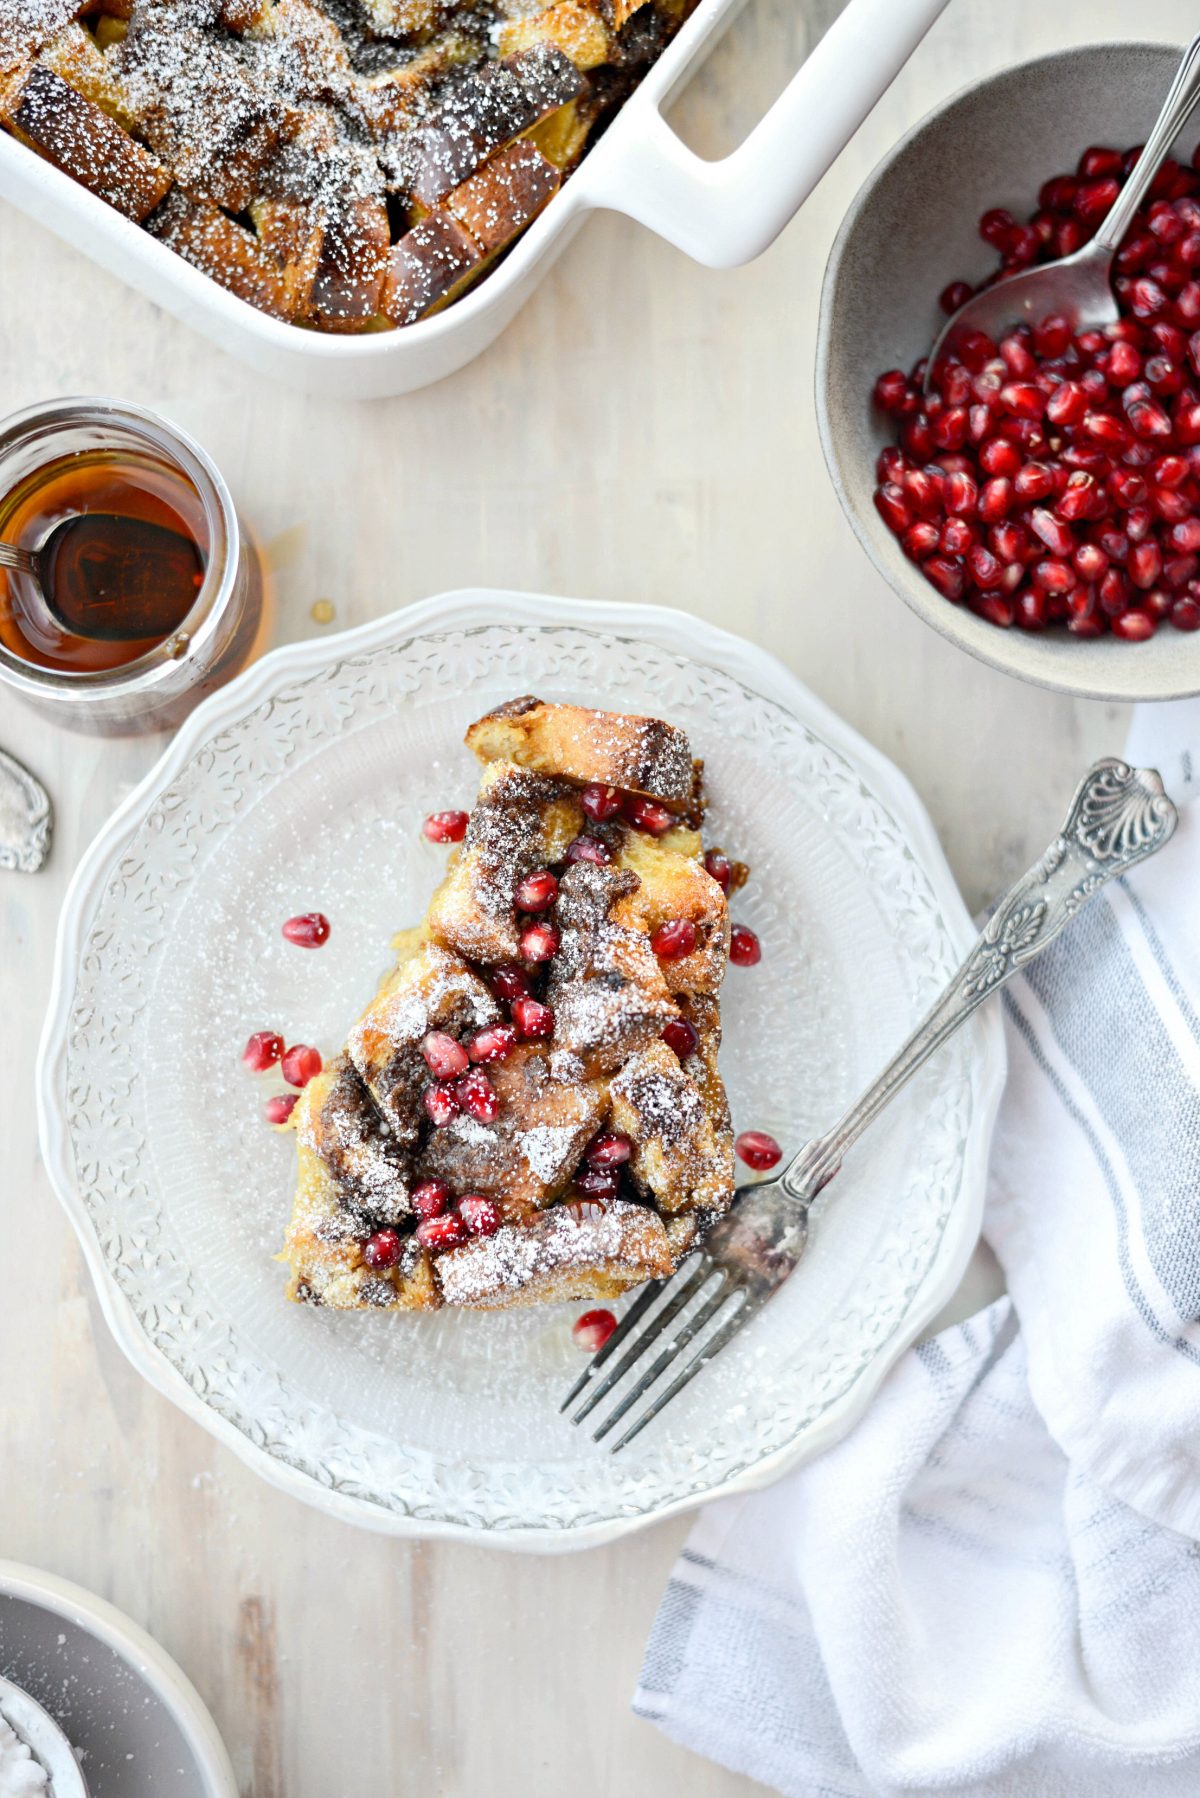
{"points": [[144, 592]]}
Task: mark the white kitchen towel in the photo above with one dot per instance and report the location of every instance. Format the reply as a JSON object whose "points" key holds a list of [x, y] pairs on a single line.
{"points": [[992, 1586]]}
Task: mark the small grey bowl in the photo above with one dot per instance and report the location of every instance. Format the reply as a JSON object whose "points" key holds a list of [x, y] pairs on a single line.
{"points": [[913, 228]]}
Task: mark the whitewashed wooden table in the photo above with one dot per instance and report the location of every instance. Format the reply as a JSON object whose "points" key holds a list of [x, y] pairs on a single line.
{"points": [[644, 432]]}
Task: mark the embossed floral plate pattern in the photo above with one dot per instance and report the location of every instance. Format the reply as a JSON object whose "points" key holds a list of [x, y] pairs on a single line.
{"points": [[302, 786]]}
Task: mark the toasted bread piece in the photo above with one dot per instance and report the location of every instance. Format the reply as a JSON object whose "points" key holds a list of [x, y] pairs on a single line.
{"points": [[606, 983], [75, 57], [497, 202], [675, 886], [323, 1249], [578, 30], [46, 113], [572, 1251], [428, 268], [522, 821], [681, 1153], [221, 248], [336, 1119], [642, 755], [26, 30], [432, 990], [526, 1159]]}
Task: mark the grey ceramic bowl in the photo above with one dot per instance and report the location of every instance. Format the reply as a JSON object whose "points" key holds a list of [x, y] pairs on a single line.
{"points": [[911, 229]]}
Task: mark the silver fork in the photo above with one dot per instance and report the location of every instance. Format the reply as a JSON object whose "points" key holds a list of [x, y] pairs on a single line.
{"points": [[1118, 817]]}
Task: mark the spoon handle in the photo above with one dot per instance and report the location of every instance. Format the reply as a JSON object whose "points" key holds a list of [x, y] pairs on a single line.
{"points": [[1118, 817], [1177, 107], [19, 559]]}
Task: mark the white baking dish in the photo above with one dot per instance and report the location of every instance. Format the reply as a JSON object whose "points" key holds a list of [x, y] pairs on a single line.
{"points": [[721, 213]]}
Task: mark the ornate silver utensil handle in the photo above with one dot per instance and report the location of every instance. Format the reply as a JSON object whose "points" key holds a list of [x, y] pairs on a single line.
{"points": [[1118, 817]]}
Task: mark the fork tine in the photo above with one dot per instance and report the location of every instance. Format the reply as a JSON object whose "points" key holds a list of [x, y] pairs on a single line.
{"points": [[709, 1309], [713, 1346], [689, 1286], [636, 1311]]}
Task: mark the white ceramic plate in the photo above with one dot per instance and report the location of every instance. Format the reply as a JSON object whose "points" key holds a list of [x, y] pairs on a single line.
{"points": [[302, 786], [136, 1722]]}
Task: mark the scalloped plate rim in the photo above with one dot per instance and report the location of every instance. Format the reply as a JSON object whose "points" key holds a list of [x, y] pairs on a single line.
{"points": [[684, 634]]}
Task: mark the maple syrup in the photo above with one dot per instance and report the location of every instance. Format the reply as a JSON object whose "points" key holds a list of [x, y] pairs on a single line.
{"points": [[121, 545]]}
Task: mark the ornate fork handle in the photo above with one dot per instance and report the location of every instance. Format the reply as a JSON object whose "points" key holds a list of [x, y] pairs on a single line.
{"points": [[1118, 817]]}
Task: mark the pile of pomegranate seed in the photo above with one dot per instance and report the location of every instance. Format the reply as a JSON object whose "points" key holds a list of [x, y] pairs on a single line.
{"points": [[308, 931], [1053, 478], [593, 1329]]}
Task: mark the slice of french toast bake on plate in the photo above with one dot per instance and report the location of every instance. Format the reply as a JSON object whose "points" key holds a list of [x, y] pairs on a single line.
{"points": [[530, 1108]]}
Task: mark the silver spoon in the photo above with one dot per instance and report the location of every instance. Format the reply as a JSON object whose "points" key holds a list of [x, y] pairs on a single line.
{"points": [[1080, 286]]}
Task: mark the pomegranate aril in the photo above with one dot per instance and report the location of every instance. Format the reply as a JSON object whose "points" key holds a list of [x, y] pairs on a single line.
{"points": [[588, 849], [1052, 531], [682, 1037], [1112, 432], [674, 939], [598, 1183], [1124, 365], [1057, 194], [757, 1150], [946, 576], [1052, 576], [956, 537], [1067, 404], [383, 1250], [441, 1104], [1052, 337], [1144, 564], [1149, 419], [538, 942], [1094, 198], [985, 570], [1034, 481], [601, 802], [1114, 593], [279, 1108], [609, 1149], [1133, 627], [431, 1197], [444, 1057], [300, 1064], [438, 1233], [533, 1019], [999, 458], [510, 982], [954, 296], [1098, 160], [262, 1051], [478, 1097], [537, 892], [719, 866], [1127, 487], [961, 495], [446, 827], [648, 815], [480, 1215], [1023, 399], [1030, 609], [492, 1043], [891, 393], [1080, 499], [745, 950], [1185, 614], [995, 500], [1185, 536], [308, 931], [996, 227], [593, 1329], [994, 607], [1089, 561]]}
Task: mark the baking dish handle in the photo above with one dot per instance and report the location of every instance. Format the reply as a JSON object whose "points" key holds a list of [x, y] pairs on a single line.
{"points": [[725, 213]]}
